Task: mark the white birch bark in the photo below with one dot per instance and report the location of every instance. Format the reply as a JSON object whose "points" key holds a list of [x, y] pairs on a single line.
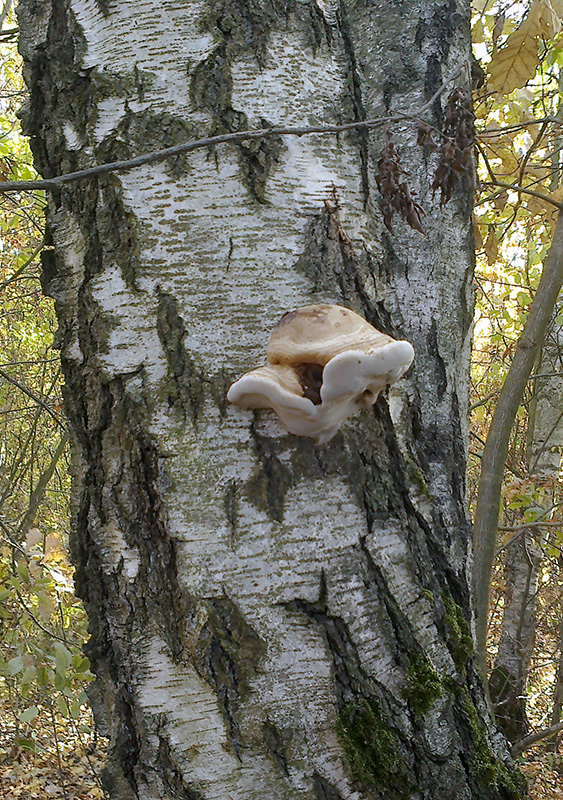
{"points": [[524, 556], [268, 619]]}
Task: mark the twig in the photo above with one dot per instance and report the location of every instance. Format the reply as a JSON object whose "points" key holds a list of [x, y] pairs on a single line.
{"points": [[5, 11], [210, 141], [535, 524], [32, 395], [523, 744], [23, 267], [41, 487], [523, 190]]}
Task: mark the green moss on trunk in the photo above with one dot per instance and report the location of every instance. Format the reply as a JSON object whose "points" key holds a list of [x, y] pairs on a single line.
{"points": [[372, 749]]}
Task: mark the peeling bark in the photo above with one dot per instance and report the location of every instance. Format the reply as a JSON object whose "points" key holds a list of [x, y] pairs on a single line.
{"points": [[267, 619]]}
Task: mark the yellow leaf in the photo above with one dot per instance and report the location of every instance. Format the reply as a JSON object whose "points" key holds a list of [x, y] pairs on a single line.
{"points": [[478, 237], [549, 19], [509, 160], [478, 32], [557, 6], [515, 63], [491, 246]]}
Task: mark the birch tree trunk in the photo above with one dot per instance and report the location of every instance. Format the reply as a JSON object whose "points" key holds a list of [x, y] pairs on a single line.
{"points": [[524, 556], [509, 676], [268, 619]]}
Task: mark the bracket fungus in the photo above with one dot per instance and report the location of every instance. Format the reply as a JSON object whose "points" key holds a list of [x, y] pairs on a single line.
{"points": [[324, 363]]}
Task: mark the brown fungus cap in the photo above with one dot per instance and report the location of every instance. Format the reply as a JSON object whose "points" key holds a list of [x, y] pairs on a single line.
{"points": [[325, 364], [315, 334]]}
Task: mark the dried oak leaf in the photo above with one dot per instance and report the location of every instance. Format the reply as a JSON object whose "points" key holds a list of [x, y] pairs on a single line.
{"points": [[424, 136], [394, 189], [456, 151]]}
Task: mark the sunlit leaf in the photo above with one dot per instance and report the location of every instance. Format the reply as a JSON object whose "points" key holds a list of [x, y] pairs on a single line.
{"points": [[29, 714], [15, 665]]}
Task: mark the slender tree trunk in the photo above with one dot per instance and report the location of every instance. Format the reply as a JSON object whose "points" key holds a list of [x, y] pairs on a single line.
{"points": [[557, 694], [528, 351], [524, 556], [268, 619], [509, 675]]}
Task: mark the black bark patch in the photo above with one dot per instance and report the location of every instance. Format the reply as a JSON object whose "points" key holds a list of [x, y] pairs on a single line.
{"points": [[436, 32], [355, 95], [117, 227], [267, 488], [230, 504], [245, 26], [350, 679], [432, 82], [62, 89], [441, 379], [331, 264], [162, 130], [219, 384], [172, 774], [227, 654], [127, 742], [127, 84], [185, 380], [104, 6], [210, 89], [275, 742], [325, 790]]}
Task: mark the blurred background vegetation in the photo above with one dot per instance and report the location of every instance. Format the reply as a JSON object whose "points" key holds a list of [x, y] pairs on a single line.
{"points": [[48, 745], [48, 742]]}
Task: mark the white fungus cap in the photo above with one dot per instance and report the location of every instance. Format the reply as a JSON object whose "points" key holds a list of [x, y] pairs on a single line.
{"points": [[325, 363]]}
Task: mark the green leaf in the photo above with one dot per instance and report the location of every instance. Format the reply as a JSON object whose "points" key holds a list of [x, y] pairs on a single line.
{"points": [[74, 710], [524, 298], [27, 743], [60, 681], [15, 665], [28, 676], [29, 714], [63, 658], [82, 664], [62, 706], [23, 571]]}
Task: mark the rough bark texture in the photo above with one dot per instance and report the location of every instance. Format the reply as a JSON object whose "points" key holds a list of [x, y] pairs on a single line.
{"points": [[267, 619], [546, 445], [524, 556], [509, 676]]}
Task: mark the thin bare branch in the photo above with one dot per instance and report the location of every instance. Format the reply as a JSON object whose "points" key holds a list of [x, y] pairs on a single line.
{"points": [[35, 397], [41, 486], [514, 187], [523, 744], [210, 141], [6, 8]]}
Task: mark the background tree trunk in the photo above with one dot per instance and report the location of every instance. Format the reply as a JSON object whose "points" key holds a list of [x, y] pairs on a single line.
{"points": [[509, 676], [524, 555], [267, 619]]}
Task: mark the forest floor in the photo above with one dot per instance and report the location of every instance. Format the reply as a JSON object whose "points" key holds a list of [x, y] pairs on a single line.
{"points": [[65, 763], [545, 782]]}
